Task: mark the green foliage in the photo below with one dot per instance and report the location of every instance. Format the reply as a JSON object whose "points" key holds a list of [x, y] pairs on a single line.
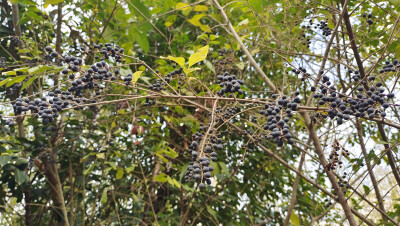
{"points": [[121, 162]]}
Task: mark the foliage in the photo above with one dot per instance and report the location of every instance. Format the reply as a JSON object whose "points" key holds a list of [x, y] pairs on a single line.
{"points": [[123, 155]]}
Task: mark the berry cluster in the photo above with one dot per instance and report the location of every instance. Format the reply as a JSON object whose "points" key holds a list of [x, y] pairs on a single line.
{"points": [[278, 115], [108, 50], [367, 101], [390, 66], [229, 113], [334, 156], [202, 150], [226, 60], [149, 102], [323, 25], [368, 18], [229, 84], [55, 101]]}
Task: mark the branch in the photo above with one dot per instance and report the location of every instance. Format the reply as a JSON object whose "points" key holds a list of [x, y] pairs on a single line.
{"points": [[363, 76], [249, 56], [371, 173]]}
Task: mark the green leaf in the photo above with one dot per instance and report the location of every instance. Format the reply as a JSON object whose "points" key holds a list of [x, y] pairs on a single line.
{"points": [[100, 156], [130, 169], [4, 81], [161, 178], [171, 153], [20, 176], [53, 2], [397, 49], [103, 199], [39, 69], [199, 55], [88, 170], [162, 158], [16, 80], [29, 82], [136, 76], [142, 41], [120, 173], [382, 142], [366, 189], [10, 73], [224, 168], [212, 212], [256, 4], [294, 219], [4, 159], [170, 20], [395, 2]]}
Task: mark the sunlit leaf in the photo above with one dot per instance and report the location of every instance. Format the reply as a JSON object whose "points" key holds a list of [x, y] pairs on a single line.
{"points": [[161, 178], [136, 76], [199, 55]]}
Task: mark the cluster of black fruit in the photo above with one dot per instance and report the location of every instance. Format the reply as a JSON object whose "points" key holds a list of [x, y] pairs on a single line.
{"points": [[344, 186], [229, 84], [323, 26], [368, 18], [334, 156], [343, 183], [247, 150], [355, 75], [305, 40], [48, 106], [109, 50], [278, 115], [52, 56], [228, 113], [303, 71], [47, 110], [366, 104], [15, 40], [226, 60], [202, 150], [149, 102], [390, 66]]}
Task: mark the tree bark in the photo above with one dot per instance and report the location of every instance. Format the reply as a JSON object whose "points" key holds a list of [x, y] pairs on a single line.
{"points": [[371, 172], [53, 177]]}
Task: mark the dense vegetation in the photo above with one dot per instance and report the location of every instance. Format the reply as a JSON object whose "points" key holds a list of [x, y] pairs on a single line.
{"points": [[167, 112]]}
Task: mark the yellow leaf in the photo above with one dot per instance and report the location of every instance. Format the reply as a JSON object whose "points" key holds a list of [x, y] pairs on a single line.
{"points": [[199, 55], [181, 6], [176, 183], [200, 8], [136, 76], [53, 2], [195, 20], [205, 28], [100, 156], [179, 60], [188, 70], [294, 219], [120, 173]]}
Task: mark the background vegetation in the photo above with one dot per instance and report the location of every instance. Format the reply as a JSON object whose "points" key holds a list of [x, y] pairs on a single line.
{"points": [[121, 160]]}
